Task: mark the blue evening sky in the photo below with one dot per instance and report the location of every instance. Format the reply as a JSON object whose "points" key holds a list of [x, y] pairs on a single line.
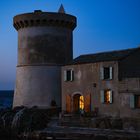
{"points": [[103, 25]]}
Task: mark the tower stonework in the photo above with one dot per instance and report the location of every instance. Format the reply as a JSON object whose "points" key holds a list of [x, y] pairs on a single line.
{"points": [[45, 43]]}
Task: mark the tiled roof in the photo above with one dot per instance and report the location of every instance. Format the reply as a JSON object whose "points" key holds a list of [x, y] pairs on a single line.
{"points": [[104, 56]]}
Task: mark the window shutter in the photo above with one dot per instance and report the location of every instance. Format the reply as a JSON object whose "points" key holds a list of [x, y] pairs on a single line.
{"points": [[102, 96], [65, 75], [110, 72], [132, 101], [68, 103], [87, 103], [101, 73], [111, 96], [72, 75]]}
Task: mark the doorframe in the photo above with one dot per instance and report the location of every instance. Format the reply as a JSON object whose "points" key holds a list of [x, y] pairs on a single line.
{"points": [[74, 93]]}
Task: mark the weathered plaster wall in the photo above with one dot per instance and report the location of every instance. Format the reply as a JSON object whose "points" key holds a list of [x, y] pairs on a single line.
{"points": [[44, 45], [87, 81], [128, 87], [85, 77], [37, 86], [49, 46]]}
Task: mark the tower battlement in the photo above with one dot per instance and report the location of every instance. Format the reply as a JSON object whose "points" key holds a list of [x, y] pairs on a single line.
{"points": [[39, 18]]}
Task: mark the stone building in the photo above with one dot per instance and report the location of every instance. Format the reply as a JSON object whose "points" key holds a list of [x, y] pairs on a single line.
{"points": [[108, 82], [47, 75]]}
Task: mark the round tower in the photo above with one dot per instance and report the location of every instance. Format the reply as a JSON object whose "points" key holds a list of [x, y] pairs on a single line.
{"points": [[45, 43]]}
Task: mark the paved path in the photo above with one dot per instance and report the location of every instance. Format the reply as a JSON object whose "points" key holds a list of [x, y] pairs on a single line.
{"points": [[78, 133]]}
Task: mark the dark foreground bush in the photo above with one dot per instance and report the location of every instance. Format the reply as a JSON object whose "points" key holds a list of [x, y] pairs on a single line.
{"points": [[22, 119]]}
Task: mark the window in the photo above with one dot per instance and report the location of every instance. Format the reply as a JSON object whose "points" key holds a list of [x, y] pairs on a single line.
{"points": [[106, 96], [134, 101], [137, 101], [68, 75], [106, 73]]}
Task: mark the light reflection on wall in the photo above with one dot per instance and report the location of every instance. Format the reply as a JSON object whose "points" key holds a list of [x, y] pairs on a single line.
{"points": [[81, 102]]}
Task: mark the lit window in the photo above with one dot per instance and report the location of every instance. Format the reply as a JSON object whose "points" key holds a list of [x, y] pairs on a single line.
{"points": [[81, 102], [68, 75], [106, 73], [106, 96]]}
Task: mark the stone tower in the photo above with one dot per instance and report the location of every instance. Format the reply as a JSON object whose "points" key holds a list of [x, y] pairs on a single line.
{"points": [[45, 43]]}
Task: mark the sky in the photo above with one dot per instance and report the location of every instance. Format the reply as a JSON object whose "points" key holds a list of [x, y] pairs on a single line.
{"points": [[102, 25]]}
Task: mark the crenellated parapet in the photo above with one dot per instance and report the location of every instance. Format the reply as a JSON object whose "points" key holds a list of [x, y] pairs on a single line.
{"points": [[39, 18]]}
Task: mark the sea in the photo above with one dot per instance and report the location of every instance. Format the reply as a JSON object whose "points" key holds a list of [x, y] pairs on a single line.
{"points": [[6, 101], [6, 98]]}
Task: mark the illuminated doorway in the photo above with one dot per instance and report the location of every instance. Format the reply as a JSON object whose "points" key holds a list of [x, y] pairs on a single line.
{"points": [[78, 102]]}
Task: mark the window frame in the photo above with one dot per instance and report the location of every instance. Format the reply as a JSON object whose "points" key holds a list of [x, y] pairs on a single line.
{"points": [[133, 101], [102, 73], [136, 101], [66, 79], [102, 96]]}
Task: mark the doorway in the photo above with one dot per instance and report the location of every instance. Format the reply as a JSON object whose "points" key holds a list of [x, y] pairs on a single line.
{"points": [[78, 102]]}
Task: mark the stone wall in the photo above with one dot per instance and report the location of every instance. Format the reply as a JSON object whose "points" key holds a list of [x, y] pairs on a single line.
{"points": [[44, 45], [128, 87], [38, 86], [87, 81]]}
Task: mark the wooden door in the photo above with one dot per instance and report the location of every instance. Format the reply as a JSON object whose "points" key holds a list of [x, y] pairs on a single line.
{"points": [[68, 103], [76, 99], [87, 105]]}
